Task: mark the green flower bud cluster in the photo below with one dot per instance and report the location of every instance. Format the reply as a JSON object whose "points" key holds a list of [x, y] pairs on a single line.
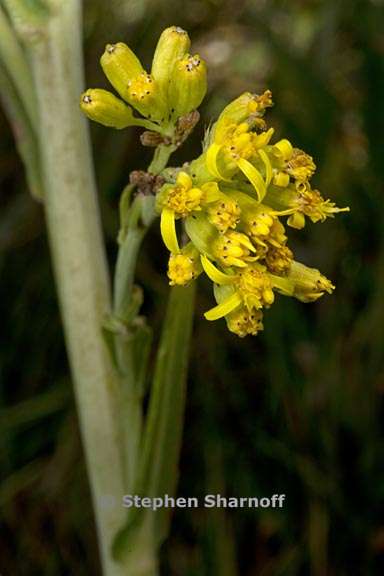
{"points": [[175, 86]]}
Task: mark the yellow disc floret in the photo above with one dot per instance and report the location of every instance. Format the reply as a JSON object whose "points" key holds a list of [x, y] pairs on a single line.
{"points": [[233, 249], [144, 95], [301, 166], [255, 287], [183, 198], [224, 213], [278, 259], [185, 266], [258, 223], [242, 322], [311, 203]]}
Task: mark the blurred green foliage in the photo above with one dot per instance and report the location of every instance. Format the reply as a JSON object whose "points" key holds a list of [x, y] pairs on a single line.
{"points": [[296, 410]]}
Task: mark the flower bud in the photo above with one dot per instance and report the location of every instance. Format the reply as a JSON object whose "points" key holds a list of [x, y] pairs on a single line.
{"points": [[309, 283], [104, 107], [120, 65], [172, 46], [187, 86]]}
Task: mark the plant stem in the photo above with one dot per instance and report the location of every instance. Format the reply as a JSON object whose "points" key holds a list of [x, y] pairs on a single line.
{"points": [[160, 158], [16, 66], [139, 215], [79, 260]]}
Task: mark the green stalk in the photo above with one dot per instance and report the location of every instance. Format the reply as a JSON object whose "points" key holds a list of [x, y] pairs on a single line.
{"points": [[164, 427], [132, 341], [158, 473], [78, 258], [126, 303], [25, 136], [154, 472], [13, 61]]}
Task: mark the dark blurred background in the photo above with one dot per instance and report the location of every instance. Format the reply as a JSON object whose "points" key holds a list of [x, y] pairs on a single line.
{"points": [[297, 410]]}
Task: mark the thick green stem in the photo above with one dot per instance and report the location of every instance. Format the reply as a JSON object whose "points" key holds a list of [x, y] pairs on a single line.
{"points": [[79, 260]]}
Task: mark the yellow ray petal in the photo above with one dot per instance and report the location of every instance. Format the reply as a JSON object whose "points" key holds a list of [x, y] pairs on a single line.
{"points": [[224, 308], [168, 230], [211, 160], [268, 168], [184, 180], [283, 149], [214, 273], [254, 177]]}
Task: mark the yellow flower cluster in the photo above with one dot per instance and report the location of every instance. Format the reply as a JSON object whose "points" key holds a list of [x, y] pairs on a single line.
{"points": [[231, 201]]}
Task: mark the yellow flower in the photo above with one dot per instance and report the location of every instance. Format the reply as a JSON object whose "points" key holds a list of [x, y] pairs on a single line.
{"points": [[300, 200], [233, 249], [250, 287], [300, 166], [242, 322], [144, 94], [247, 107], [183, 198], [229, 201], [278, 259], [224, 213], [185, 266], [180, 201], [310, 203]]}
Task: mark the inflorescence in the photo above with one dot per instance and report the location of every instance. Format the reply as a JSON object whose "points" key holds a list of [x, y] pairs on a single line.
{"points": [[234, 201]]}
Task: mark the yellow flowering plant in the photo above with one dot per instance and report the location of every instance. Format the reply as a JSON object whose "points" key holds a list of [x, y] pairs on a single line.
{"points": [[232, 204], [224, 214]]}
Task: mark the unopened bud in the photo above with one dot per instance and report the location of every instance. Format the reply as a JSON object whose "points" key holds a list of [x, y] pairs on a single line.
{"points": [[309, 284], [172, 46], [104, 107], [120, 66], [187, 86]]}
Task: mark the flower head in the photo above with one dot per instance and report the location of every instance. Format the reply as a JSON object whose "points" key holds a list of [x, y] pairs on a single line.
{"points": [[226, 212]]}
